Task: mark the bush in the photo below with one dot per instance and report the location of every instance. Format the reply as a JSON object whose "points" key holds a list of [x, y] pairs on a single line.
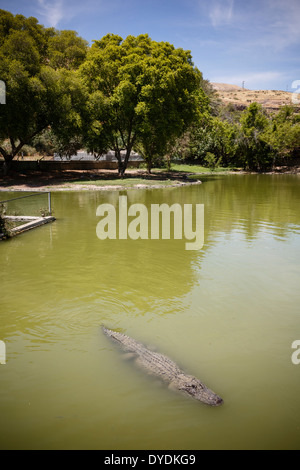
{"points": [[4, 231], [211, 161]]}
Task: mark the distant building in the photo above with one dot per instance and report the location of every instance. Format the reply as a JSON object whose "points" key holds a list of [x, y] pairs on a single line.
{"points": [[107, 157]]}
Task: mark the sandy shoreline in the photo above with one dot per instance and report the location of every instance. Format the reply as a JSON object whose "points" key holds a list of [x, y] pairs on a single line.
{"points": [[90, 187], [82, 187], [69, 181]]}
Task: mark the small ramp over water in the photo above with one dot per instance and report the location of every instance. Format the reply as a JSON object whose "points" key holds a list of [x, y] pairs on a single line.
{"points": [[30, 221]]}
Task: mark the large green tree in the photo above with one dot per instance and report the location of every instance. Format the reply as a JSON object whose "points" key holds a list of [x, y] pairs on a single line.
{"points": [[253, 151], [66, 50], [283, 133], [212, 136], [143, 94], [38, 95]]}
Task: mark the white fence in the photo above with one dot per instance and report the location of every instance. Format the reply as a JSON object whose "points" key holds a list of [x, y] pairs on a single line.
{"points": [[108, 157]]}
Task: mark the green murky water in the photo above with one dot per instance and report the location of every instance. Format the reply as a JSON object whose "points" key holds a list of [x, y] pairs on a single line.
{"points": [[227, 314]]}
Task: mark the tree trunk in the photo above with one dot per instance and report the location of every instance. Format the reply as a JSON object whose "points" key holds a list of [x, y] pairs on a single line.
{"points": [[8, 157], [121, 169], [149, 165], [122, 165], [7, 164], [125, 163]]}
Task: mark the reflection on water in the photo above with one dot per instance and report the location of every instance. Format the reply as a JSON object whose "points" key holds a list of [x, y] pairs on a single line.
{"points": [[228, 314]]}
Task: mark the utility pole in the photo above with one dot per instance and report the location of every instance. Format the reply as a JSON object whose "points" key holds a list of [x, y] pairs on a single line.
{"points": [[243, 85]]}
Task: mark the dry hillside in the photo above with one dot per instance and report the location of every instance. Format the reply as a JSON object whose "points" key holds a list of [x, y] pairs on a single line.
{"points": [[271, 100]]}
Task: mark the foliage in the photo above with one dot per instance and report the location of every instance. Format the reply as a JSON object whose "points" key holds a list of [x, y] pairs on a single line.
{"points": [[72, 120], [126, 94], [66, 50], [283, 133], [44, 142], [254, 153], [37, 95], [212, 161], [4, 230], [142, 95], [209, 136], [263, 140], [2, 226], [216, 137], [250, 139]]}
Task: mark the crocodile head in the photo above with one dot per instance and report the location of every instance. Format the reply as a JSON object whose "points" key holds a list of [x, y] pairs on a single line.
{"points": [[196, 389]]}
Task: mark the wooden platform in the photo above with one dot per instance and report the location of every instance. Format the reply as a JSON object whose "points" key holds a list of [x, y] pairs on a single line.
{"points": [[31, 223]]}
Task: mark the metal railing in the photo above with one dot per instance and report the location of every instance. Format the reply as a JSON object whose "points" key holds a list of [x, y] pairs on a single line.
{"points": [[38, 193]]}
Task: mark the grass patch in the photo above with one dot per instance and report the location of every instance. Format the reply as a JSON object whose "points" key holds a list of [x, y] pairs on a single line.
{"points": [[197, 169], [126, 182], [160, 177]]}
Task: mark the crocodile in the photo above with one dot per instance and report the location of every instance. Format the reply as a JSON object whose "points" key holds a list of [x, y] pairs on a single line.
{"points": [[162, 366]]}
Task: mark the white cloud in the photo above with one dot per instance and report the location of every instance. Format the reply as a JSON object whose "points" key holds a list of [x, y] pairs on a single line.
{"points": [[51, 11], [272, 23], [284, 22], [221, 12]]}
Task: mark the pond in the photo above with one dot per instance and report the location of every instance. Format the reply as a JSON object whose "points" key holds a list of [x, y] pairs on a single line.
{"points": [[227, 313]]}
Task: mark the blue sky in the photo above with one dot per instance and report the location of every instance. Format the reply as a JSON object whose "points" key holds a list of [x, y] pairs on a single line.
{"points": [[256, 41]]}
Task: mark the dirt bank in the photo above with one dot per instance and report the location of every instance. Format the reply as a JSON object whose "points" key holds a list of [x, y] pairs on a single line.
{"points": [[99, 180], [107, 180]]}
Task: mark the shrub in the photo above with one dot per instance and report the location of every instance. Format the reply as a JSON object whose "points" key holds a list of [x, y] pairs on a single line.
{"points": [[4, 231]]}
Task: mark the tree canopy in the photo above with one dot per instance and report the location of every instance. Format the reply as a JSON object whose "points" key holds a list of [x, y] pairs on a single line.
{"points": [[123, 95], [143, 94], [37, 91]]}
